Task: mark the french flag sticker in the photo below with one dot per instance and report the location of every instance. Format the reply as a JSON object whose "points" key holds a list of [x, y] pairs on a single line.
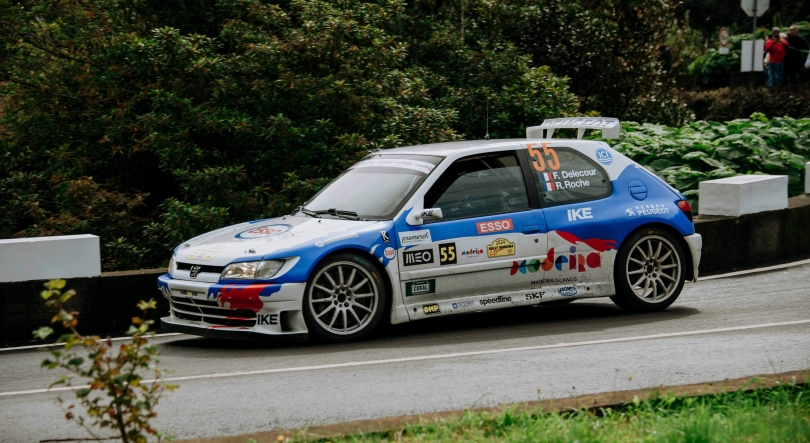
{"points": [[549, 184]]}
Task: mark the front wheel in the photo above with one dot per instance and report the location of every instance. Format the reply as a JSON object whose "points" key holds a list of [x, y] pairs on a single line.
{"points": [[345, 298], [649, 271]]}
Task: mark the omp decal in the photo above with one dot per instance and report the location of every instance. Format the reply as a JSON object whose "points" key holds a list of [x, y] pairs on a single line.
{"points": [[495, 226], [420, 287], [603, 156], [415, 165], [264, 231], [414, 237], [336, 238], [501, 247], [431, 309], [567, 291], [575, 261], [447, 254], [579, 214], [242, 296], [644, 210]]}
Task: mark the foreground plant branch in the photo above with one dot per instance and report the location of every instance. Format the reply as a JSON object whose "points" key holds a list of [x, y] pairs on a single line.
{"points": [[115, 397]]}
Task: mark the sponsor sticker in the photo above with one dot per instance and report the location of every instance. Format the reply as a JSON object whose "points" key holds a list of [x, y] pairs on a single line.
{"points": [[447, 254], [431, 309], [472, 252], [415, 165], [264, 231], [464, 304], [567, 291], [603, 156], [324, 242], [488, 227], [645, 210], [385, 238], [501, 247], [414, 237], [205, 254], [390, 253], [494, 300], [579, 214], [535, 295], [414, 258], [267, 319], [420, 287], [554, 280]]}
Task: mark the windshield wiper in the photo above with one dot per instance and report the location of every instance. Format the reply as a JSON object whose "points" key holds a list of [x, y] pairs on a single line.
{"points": [[351, 215], [306, 211]]}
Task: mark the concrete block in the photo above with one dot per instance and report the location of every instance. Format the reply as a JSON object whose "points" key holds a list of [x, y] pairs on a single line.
{"points": [[43, 258], [807, 178], [743, 194]]}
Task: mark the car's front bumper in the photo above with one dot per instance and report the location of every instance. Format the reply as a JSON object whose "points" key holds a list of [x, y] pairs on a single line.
{"points": [[243, 311], [695, 242]]}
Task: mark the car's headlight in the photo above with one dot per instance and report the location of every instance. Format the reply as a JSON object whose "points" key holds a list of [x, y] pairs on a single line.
{"points": [[172, 265], [253, 270]]}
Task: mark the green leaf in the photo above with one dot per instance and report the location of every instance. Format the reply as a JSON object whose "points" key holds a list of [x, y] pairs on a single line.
{"points": [[43, 332]]}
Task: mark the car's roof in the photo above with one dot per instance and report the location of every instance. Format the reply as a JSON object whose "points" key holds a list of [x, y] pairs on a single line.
{"points": [[448, 148]]}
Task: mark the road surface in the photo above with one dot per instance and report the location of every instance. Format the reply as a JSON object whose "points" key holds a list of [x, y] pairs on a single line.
{"points": [[721, 328]]}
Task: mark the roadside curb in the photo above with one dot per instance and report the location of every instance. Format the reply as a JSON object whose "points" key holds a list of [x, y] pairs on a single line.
{"points": [[589, 401]]}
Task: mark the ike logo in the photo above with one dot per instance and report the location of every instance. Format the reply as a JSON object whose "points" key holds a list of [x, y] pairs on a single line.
{"points": [[579, 214], [267, 319]]}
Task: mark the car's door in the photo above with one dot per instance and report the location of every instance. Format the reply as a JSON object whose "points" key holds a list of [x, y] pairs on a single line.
{"points": [[491, 230], [574, 191]]}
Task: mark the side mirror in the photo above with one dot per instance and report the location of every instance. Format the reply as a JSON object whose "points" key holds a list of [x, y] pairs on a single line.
{"points": [[431, 214]]}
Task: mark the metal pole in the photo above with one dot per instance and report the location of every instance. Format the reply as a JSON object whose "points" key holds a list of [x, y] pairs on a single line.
{"points": [[754, 39]]}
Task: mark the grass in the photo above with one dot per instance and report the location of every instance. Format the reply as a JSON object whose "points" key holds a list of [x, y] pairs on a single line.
{"points": [[780, 414]]}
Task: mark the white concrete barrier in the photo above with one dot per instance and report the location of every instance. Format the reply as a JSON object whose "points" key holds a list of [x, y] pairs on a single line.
{"points": [[743, 194], [43, 258], [807, 178]]}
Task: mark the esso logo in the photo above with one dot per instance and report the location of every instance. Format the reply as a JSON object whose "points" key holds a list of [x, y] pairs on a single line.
{"points": [[390, 253], [264, 231], [495, 226]]}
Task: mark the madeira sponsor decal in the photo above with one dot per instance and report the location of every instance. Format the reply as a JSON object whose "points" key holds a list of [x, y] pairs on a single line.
{"points": [[420, 287], [463, 304], [431, 309], [413, 258], [324, 242], [495, 226], [501, 247], [390, 253], [644, 210], [554, 280], [494, 300], [567, 291], [264, 231], [578, 262], [414, 237]]}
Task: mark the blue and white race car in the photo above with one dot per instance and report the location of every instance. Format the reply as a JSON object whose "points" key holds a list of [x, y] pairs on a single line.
{"points": [[443, 229]]}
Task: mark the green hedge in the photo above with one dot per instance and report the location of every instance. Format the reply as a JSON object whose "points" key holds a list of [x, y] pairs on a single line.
{"points": [[727, 104]]}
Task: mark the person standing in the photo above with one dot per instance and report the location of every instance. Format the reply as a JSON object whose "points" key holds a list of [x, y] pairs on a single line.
{"points": [[795, 55], [776, 47]]}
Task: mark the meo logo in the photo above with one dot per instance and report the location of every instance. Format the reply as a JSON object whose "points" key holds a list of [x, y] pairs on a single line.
{"points": [[413, 258]]}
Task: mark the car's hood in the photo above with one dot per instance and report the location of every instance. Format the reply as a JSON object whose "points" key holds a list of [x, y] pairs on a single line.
{"points": [[266, 239]]}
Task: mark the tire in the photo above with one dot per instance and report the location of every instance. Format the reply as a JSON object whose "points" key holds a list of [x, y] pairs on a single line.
{"points": [[649, 271], [345, 298]]}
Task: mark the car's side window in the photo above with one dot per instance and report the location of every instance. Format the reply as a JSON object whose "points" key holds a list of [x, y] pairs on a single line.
{"points": [[563, 176], [479, 185]]}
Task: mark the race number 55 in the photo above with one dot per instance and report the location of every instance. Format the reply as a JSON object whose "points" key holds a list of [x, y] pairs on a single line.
{"points": [[447, 254], [539, 159]]}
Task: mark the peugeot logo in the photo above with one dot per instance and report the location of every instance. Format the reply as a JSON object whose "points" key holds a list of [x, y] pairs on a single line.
{"points": [[194, 271]]}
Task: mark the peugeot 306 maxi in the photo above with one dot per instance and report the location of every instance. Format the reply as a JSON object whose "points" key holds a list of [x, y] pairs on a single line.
{"points": [[443, 229]]}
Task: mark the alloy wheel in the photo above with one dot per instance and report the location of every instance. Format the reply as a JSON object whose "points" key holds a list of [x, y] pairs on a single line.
{"points": [[653, 269], [343, 298]]}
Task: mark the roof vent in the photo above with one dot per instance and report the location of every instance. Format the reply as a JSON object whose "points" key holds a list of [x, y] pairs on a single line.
{"points": [[609, 126]]}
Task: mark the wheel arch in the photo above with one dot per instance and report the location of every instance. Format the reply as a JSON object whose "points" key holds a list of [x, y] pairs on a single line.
{"points": [[374, 262], [689, 268]]}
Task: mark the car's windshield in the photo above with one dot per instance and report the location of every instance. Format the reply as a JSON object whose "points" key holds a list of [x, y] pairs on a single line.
{"points": [[377, 187]]}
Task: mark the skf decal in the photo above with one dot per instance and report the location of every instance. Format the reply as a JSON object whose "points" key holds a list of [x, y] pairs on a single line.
{"points": [[535, 295], [431, 309], [501, 247], [267, 319], [495, 226]]}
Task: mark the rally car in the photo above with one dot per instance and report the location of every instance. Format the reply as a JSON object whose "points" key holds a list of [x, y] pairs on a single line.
{"points": [[443, 229]]}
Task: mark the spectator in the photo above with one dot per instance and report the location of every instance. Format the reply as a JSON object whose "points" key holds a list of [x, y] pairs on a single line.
{"points": [[776, 47], [794, 56]]}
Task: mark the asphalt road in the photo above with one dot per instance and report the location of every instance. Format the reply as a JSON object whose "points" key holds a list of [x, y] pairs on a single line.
{"points": [[721, 328]]}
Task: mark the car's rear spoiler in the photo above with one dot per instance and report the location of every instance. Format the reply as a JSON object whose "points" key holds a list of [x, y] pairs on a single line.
{"points": [[609, 126]]}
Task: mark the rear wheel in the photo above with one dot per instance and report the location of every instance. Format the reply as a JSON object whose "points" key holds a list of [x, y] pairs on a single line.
{"points": [[345, 298], [649, 271]]}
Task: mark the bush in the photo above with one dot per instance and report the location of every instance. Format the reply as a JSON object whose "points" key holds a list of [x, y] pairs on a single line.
{"points": [[727, 104]]}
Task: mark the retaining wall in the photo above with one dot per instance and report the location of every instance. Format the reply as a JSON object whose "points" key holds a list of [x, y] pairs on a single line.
{"points": [[107, 304]]}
